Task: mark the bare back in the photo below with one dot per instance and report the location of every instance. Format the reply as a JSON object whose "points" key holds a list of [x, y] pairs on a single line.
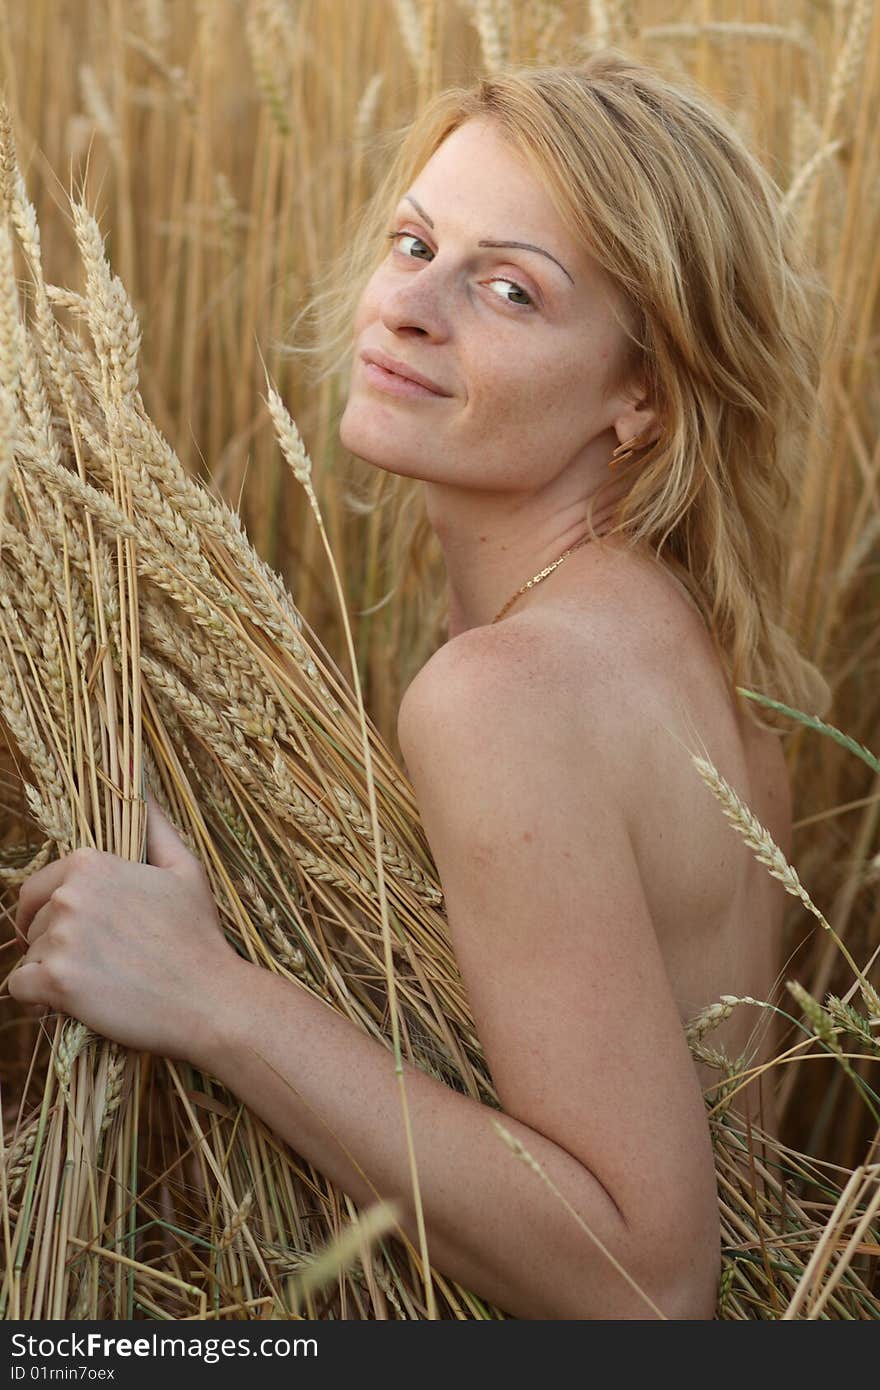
{"points": [[717, 912]]}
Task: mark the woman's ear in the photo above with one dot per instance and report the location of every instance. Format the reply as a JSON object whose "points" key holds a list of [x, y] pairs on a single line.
{"points": [[638, 420]]}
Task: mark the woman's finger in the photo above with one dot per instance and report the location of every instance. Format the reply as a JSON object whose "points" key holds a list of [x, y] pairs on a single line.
{"points": [[36, 892], [40, 923], [165, 849], [28, 983]]}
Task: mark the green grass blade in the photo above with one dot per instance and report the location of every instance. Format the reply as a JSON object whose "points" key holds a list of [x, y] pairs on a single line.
{"points": [[813, 721]]}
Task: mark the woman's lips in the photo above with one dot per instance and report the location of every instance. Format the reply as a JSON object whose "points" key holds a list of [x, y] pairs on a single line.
{"points": [[394, 385]]}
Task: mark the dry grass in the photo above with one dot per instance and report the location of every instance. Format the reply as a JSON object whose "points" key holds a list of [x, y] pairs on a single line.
{"points": [[256, 742], [140, 596]]}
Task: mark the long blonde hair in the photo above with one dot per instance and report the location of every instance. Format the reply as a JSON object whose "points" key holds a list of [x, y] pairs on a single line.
{"points": [[725, 325]]}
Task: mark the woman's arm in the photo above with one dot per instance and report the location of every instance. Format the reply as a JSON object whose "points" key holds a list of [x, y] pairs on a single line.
{"points": [[563, 972], [555, 945], [492, 1224]]}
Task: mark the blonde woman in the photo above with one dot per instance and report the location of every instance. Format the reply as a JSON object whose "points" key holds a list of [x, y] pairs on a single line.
{"points": [[572, 315]]}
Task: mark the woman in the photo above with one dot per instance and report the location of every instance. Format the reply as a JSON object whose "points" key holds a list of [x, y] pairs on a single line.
{"points": [[588, 340]]}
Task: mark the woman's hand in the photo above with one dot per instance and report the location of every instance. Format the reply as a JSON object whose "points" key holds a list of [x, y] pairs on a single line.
{"points": [[133, 950]]}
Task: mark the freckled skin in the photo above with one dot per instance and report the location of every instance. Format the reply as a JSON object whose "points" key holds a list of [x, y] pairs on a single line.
{"points": [[523, 401], [527, 355]]}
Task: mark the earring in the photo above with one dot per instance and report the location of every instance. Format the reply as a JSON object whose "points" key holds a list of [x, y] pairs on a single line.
{"points": [[622, 452]]}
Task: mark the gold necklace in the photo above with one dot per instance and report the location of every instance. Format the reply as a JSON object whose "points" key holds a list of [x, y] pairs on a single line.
{"points": [[542, 574]]}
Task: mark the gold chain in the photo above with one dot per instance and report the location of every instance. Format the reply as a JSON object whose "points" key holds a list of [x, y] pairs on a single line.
{"points": [[542, 574]]}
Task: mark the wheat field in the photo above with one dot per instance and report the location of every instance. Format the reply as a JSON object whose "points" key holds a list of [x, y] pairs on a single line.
{"points": [[218, 155]]}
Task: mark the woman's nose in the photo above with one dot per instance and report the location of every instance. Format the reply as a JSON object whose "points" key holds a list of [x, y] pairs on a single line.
{"points": [[418, 303]]}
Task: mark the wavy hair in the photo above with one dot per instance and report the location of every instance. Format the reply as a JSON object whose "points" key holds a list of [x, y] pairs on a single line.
{"points": [[723, 312]]}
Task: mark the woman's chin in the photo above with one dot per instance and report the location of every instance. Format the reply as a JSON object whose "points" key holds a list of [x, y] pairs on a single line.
{"points": [[365, 441], [357, 434]]}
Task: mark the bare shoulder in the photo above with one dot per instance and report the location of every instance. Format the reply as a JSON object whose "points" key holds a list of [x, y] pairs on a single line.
{"points": [[609, 686], [538, 671], [506, 744], [572, 683]]}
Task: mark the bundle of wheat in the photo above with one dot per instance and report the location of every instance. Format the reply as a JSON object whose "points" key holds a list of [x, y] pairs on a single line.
{"points": [[142, 637], [143, 634]]}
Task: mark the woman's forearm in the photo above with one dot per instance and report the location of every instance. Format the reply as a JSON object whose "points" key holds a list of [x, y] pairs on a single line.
{"points": [[492, 1223]]}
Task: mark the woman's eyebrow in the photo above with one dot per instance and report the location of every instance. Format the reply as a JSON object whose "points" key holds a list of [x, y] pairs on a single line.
{"points": [[515, 245]]}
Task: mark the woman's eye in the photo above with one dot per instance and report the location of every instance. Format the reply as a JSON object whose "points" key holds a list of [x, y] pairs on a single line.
{"points": [[526, 302], [396, 236]]}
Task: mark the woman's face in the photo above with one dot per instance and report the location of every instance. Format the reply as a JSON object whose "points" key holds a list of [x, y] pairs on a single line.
{"points": [[521, 342]]}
